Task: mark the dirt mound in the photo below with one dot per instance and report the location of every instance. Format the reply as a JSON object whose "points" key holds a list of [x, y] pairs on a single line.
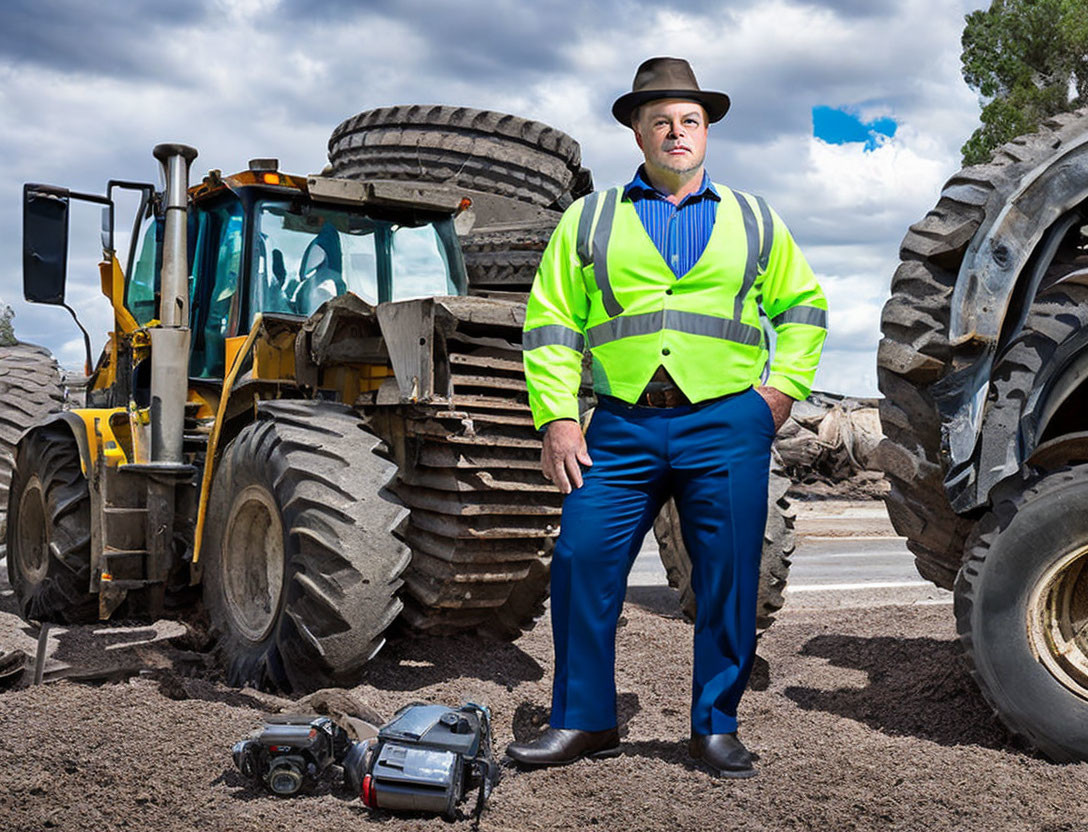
{"points": [[863, 719]]}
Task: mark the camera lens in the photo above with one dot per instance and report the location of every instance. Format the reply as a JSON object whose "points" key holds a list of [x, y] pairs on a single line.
{"points": [[284, 781]]}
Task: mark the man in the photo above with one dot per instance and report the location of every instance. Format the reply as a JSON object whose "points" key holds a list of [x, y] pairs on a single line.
{"points": [[664, 280]]}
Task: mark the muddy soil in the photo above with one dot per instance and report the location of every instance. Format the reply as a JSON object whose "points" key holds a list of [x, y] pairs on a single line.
{"points": [[863, 719]]}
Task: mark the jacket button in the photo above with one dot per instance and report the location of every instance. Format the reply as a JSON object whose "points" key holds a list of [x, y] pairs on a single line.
{"points": [[668, 291], [665, 351]]}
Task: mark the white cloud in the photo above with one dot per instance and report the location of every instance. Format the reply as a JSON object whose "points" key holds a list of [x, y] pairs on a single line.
{"points": [[266, 78]]}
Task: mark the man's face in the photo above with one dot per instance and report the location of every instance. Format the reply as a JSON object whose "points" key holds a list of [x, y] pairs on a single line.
{"points": [[672, 134]]}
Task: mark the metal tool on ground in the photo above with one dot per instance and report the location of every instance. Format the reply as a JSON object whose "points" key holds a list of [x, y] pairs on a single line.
{"points": [[428, 758]]}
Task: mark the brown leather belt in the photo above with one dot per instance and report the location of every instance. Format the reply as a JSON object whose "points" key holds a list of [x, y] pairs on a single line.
{"points": [[669, 397], [662, 392]]}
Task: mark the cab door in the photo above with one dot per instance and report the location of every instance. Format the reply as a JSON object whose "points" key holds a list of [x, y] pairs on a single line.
{"points": [[216, 290]]}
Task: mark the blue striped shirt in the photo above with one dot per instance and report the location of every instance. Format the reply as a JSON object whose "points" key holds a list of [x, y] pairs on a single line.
{"points": [[680, 232]]}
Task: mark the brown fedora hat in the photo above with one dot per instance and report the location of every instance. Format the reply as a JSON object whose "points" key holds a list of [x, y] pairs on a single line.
{"points": [[660, 78]]}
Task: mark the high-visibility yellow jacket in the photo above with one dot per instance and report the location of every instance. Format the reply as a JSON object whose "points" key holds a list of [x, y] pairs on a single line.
{"points": [[603, 284]]}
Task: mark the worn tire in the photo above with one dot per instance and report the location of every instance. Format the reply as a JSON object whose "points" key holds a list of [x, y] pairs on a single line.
{"points": [[524, 606], [477, 149], [915, 353], [774, 568], [30, 388], [49, 533], [505, 260], [1035, 520], [309, 473]]}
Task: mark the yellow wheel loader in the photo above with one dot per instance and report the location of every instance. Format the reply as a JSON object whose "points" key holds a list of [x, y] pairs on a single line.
{"points": [[299, 414]]}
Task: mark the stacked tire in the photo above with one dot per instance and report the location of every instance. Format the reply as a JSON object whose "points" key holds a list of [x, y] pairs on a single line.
{"points": [[30, 388], [511, 157], [527, 173]]}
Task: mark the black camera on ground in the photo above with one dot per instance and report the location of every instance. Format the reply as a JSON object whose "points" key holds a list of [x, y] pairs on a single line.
{"points": [[428, 758], [290, 749]]}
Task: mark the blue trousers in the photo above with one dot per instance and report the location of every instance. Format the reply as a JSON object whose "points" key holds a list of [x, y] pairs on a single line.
{"points": [[714, 460]]}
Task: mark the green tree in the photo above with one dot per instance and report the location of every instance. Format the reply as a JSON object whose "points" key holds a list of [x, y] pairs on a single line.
{"points": [[1028, 59]]}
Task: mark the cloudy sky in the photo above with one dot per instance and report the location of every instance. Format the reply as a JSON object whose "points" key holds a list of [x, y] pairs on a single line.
{"points": [[847, 115]]}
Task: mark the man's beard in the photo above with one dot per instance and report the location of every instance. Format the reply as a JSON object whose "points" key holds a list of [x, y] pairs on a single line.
{"points": [[681, 167]]}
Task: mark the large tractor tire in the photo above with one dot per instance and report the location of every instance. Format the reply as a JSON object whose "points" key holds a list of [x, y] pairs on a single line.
{"points": [[482, 150], [1021, 608], [478, 149], [505, 261], [303, 561], [778, 546], [915, 351], [30, 388], [49, 530]]}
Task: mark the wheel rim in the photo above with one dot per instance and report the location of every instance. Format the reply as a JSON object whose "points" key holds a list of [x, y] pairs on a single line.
{"points": [[1058, 620], [253, 563], [31, 538]]}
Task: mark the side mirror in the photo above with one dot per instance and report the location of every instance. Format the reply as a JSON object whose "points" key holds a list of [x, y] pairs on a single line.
{"points": [[45, 243]]}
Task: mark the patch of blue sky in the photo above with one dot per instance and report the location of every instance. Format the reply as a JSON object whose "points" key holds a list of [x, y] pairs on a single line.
{"points": [[837, 125]]}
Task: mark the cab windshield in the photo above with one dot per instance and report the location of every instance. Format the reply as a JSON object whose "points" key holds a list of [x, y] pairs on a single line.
{"points": [[305, 255]]}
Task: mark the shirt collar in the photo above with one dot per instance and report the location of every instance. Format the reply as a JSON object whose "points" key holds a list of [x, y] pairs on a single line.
{"points": [[640, 187]]}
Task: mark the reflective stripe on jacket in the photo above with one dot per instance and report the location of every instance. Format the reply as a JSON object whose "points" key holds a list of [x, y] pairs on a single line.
{"points": [[602, 284]]}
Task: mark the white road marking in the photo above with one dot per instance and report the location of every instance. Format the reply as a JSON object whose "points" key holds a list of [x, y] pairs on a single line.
{"points": [[870, 555], [861, 585], [859, 539]]}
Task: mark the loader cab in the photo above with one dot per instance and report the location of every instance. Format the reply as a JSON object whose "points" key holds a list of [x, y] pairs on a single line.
{"points": [[272, 249]]}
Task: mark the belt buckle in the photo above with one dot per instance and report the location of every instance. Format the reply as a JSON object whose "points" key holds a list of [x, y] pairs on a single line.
{"points": [[670, 397], [674, 397]]}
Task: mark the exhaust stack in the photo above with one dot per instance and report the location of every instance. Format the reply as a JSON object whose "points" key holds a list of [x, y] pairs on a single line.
{"points": [[170, 341]]}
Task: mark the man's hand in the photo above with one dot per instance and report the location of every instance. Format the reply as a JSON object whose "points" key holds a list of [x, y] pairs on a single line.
{"points": [[564, 449], [779, 403]]}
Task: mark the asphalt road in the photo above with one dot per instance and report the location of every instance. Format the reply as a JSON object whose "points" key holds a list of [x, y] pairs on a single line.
{"points": [[847, 555]]}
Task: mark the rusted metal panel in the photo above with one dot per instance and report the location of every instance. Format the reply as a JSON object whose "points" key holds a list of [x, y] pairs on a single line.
{"points": [[344, 326], [514, 297], [434, 429], [489, 361], [486, 311], [491, 342], [484, 418], [408, 329], [389, 193], [496, 382], [477, 403], [1061, 451], [493, 213]]}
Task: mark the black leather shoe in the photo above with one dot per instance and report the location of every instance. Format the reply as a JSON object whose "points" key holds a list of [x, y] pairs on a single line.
{"points": [[559, 746], [724, 753]]}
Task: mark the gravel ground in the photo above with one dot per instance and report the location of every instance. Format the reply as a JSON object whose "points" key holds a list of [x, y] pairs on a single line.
{"points": [[863, 719]]}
